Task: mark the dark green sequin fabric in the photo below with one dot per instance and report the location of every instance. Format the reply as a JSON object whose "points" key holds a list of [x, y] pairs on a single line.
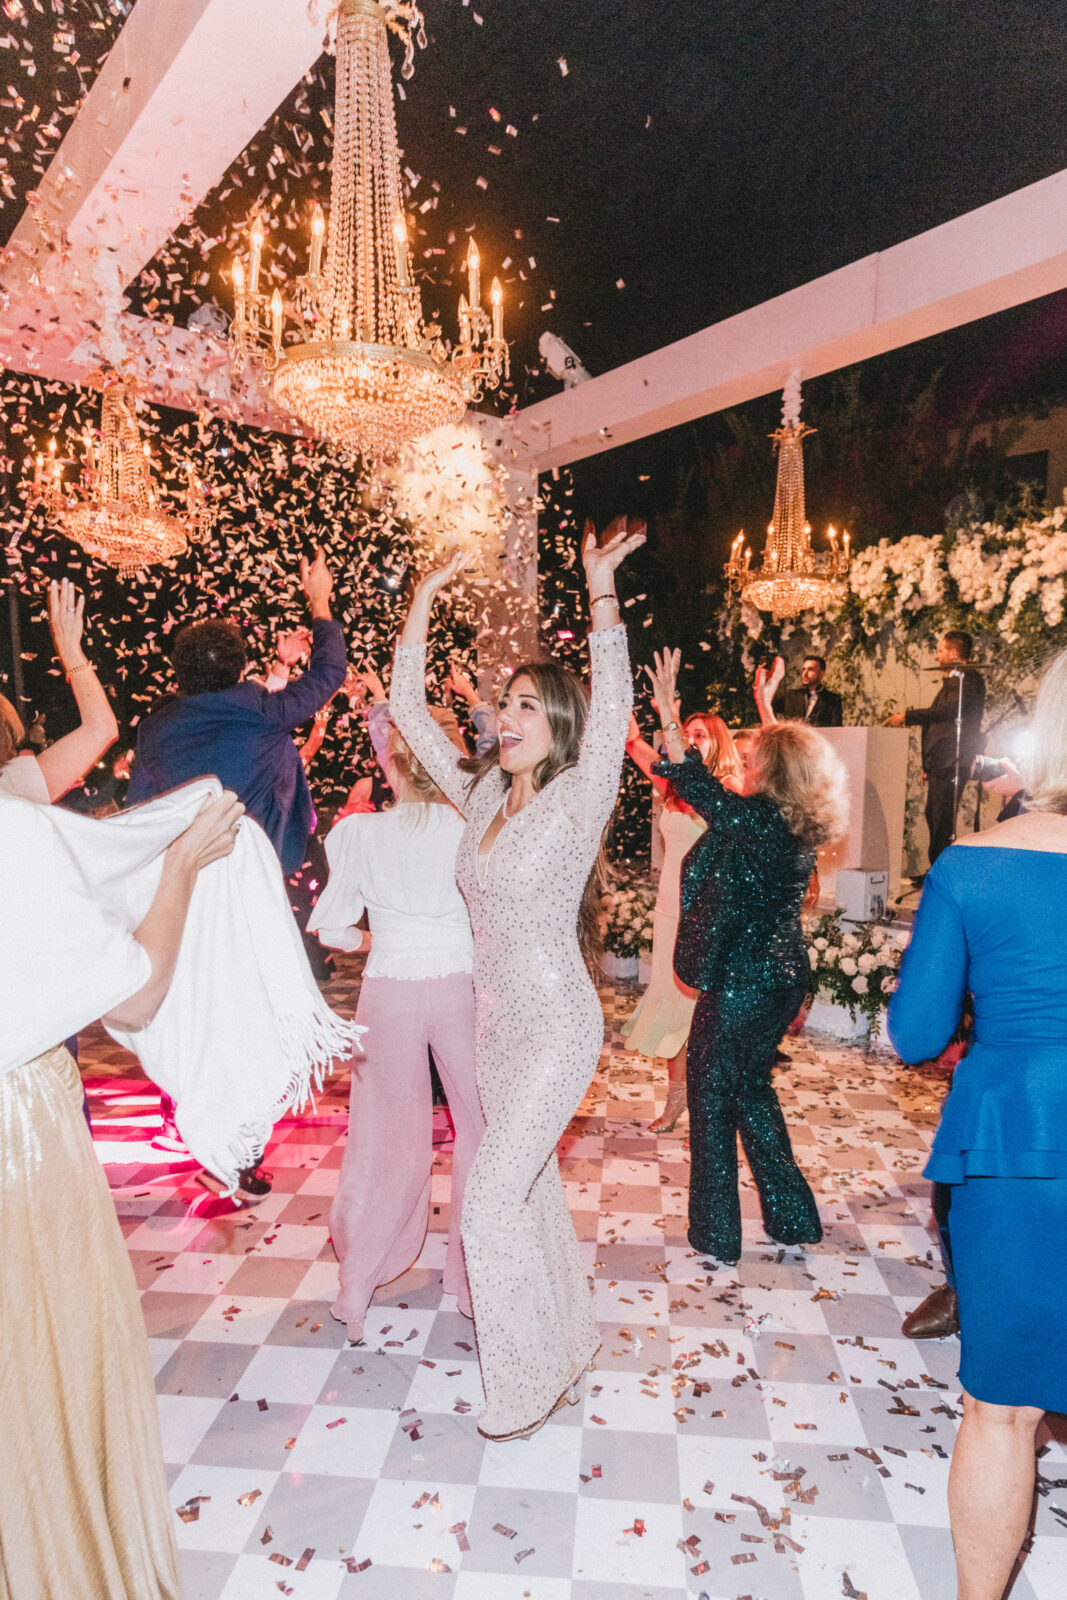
{"points": [[740, 943]]}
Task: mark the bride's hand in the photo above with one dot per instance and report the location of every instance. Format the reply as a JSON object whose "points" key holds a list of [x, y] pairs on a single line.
{"points": [[600, 560], [663, 677]]}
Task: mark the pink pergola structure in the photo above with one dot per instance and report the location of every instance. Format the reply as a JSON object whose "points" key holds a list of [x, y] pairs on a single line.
{"points": [[189, 82]]}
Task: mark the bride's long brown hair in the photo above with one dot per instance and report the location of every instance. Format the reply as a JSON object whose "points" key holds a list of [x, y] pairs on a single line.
{"points": [[565, 702]]}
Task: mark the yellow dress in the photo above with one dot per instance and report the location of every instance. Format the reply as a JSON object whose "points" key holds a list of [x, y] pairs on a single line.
{"points": [[659, 1025], [84, 1513]]}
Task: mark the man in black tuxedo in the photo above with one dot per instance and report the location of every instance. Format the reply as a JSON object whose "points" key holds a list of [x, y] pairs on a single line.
{"points": [[813, 703], [938, 724]]}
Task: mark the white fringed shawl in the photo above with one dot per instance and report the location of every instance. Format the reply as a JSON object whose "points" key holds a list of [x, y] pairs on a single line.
{"points": [[243, 1033]]}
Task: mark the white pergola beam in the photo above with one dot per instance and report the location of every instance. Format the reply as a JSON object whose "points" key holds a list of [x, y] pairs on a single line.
{"points": [[185, 87], [999, 256]]}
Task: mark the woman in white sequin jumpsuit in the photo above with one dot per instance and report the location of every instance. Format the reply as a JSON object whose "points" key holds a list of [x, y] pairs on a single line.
{"points": [[523, 864]]}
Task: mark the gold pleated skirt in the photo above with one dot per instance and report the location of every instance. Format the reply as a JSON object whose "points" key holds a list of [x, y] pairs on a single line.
{"points": [[84, 1513]]}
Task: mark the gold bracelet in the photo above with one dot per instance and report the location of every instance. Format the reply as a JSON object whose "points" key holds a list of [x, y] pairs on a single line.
{"points": [[84, 666], [600, 598]]}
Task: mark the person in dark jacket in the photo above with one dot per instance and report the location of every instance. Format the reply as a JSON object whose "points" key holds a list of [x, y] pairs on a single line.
{"points": [[813, 703], [938, 724], [238, 732]]}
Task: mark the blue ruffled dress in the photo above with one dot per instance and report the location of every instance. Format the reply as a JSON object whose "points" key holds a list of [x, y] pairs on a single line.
{"points": [[993, 921]]}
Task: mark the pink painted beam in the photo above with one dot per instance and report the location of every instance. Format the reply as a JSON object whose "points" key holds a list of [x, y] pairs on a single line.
{"points": [[185, 87], [1004, 253]]}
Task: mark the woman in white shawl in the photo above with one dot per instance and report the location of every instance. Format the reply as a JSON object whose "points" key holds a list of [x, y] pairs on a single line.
{"points": [[83, 1501]]}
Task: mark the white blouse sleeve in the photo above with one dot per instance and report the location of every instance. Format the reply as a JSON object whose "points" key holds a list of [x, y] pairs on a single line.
{"points": [[341, 904], [432, 746]]}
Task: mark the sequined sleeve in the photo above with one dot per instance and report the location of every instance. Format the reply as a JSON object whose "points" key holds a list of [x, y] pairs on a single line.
{"points": [[432, 746], [595, 780], [701, 790]]}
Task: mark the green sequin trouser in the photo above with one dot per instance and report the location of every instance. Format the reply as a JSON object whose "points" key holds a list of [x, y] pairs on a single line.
{"points": [[732, 1042]]}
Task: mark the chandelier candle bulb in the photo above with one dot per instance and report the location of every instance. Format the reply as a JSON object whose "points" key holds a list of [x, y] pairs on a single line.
{"points": [[496, 295], [257, 253], [318, 232], [464, 322], [400, 234], [474, 274], [276, 319], [238, 276]]}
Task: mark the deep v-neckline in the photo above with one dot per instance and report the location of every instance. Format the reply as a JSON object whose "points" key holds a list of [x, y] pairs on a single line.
{"points": [[481, 862]]}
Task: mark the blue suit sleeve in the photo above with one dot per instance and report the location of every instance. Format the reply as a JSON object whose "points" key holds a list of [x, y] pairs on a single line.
{"points": [[301, 698], [925, 1011]]}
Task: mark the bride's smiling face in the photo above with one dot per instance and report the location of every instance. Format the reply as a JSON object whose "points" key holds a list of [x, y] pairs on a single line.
{"points": [[523, 729]]}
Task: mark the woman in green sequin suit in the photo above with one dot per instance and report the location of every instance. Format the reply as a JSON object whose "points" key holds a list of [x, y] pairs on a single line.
{"points": [[740, 943]]}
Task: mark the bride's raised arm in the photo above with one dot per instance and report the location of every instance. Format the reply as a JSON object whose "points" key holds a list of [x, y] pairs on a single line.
{"points": [[407, 691]]}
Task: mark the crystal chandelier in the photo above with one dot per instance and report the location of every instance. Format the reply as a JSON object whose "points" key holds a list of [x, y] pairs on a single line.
{"points": [[113, 513], [792, 578], [365, 372]]}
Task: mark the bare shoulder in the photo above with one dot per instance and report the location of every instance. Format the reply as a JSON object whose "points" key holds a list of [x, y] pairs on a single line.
{"points": [[1033, 830]]}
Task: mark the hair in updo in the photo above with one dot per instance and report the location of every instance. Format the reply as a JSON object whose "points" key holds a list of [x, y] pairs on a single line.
{"points": [[795, 767], [402, 760], [208, 655], [565, 702]]}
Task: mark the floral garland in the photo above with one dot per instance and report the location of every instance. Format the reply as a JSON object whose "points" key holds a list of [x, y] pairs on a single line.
{"points": [[1004, 582], [855, 967], [627, 912]]}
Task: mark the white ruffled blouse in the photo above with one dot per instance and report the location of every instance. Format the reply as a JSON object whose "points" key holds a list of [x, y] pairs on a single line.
{"points": [[399, 866]]}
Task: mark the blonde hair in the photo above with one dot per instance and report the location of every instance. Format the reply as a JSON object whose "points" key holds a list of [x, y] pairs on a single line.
{"points": [[796, 768], [12, 732], [419, 786], [1044, 768]]}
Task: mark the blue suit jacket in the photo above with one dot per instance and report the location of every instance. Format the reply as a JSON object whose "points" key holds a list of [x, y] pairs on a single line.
{"points": [[243, 737]]}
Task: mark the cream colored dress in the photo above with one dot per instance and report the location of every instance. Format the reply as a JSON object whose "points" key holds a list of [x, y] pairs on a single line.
{"points": [[540, 1029], [659, 1025]]}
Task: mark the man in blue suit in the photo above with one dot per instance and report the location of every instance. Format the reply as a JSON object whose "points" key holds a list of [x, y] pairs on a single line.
{"points": [[221, 726], [224, 727]]}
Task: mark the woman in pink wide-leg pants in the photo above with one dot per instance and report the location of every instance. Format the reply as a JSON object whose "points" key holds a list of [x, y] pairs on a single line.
{"points": [[416, 995]]}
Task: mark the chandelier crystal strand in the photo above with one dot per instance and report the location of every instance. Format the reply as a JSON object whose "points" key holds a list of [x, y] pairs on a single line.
{"points": [[114, 516], [792, 578], [366, 373]]}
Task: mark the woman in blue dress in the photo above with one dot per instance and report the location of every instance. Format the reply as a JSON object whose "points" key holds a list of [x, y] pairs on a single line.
{"points": [[991, 923]]}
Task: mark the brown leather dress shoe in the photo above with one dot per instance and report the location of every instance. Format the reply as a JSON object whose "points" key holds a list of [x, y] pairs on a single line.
{"points": [[938, 1317]]}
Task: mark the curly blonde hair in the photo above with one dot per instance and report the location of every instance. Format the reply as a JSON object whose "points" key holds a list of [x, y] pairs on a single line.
{"points": [[796, 768]]}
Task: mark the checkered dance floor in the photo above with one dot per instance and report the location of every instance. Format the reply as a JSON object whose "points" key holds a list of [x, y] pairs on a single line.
{"points": [[755, 1433]]}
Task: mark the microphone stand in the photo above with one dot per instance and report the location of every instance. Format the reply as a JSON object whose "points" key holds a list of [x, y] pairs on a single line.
{"points": [[957, 673]]}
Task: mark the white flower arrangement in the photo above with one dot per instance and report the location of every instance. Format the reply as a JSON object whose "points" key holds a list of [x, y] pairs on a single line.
{"points": [[628, 910], [983, 576], [856, 967]]}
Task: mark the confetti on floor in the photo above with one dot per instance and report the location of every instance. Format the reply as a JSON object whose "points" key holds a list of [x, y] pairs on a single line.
{"points": [[762, 1431]]}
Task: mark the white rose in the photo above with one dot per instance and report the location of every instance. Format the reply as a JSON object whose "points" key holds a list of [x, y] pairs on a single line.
{"points": [[867, 961], [628, 936], [860, 985], [848, 967], [813, 959], [821, 944], [850, 942]]}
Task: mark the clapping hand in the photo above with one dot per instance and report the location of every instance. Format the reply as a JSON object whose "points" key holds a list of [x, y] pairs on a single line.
{"points": [[317, 582]]}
